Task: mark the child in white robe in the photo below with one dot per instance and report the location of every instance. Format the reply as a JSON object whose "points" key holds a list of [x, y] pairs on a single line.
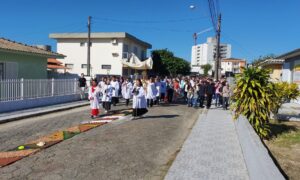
{"points": [[94, 94], [139, 104], [126, 91], [115, 90], [106, 95], [151, 93]]}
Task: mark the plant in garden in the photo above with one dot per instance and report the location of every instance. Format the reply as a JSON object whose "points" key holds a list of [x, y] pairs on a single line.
{"points": [[206, 68], [285, 92], [252, 98]]}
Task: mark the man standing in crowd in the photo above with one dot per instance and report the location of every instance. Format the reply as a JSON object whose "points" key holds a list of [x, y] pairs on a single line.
{"points": [[82, 86], [163, 89], [158, 87], [201, 93], [226, 95], [209, 93]]}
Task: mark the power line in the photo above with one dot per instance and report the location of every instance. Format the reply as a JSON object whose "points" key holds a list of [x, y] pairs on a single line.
{"points": [[149, 22], [212, 13], [149, 28], [247, 51], [218, 7], [71, 28]]}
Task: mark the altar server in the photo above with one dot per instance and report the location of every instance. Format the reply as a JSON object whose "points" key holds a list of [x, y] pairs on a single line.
{"points": [[126, 90], [139, 104], [94, 93], [106, 95], [151, 92], [115, 90]]}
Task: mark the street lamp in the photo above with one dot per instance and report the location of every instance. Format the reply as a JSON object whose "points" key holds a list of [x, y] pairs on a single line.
{"points": [[192, 7]]}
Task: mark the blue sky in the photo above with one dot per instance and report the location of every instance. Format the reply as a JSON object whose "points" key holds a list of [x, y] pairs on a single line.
{"points": [[253, 27]]}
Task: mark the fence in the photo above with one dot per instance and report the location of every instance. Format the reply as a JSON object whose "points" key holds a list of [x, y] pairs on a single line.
{"points": [[20, 89]]}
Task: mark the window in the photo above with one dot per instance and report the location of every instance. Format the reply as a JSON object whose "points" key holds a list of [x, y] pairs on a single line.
{"points": [[106, 66], [143, 54], [125, 48], [125, 51], [1, 71], [69, 66], [83, 66], [135, 50]]}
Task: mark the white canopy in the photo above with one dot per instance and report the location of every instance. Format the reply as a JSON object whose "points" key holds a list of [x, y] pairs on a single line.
{"points": [[135, 63]]}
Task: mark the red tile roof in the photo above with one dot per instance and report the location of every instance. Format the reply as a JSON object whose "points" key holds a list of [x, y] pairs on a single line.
{"points": [[50, 66], [8, 45]]}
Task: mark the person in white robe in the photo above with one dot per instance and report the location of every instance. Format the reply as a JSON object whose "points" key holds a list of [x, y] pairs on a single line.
{"points": [[126, 91], [151, 92], [115, 90], [106, 95], [94, 95], [139, 104]]}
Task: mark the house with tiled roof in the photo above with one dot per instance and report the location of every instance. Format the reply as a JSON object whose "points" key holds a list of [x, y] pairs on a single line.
{"points": [[19, 60]]}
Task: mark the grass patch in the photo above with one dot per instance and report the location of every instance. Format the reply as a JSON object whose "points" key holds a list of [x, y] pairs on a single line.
{"points": [[288, 139], [284, 144], [285, 133]]}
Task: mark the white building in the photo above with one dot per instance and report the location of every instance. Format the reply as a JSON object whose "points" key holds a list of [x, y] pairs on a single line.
{"points": [[232, 65], [106, 52], [204, 54]]}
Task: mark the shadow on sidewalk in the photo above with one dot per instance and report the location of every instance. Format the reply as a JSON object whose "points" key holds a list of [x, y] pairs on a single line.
{"points": [[157, 117]]}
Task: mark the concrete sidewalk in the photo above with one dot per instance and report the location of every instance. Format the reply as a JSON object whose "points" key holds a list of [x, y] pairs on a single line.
{"points": [[16, 115], [214, 150]]}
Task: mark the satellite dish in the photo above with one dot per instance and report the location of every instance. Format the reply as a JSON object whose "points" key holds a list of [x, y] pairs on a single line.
{"points": [[192, 7]]}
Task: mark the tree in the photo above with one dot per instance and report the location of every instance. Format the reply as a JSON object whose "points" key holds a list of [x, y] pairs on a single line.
{"points": [[260, 59], [158, 66], [165, 63], [253, 98], [206, 68]]}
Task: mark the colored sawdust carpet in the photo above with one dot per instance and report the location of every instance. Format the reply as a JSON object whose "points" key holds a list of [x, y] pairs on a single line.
{"points": [[36, 145]]}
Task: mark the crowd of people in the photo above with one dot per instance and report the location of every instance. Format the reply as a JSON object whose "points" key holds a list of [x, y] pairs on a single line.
{"points": [[195, 91]]}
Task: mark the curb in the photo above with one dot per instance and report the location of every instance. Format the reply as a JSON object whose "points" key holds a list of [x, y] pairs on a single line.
{"points": [[259, 163], [38, 113]]}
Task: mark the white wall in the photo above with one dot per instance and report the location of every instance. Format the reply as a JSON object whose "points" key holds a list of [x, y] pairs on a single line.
{"points": [[101, 54], [37, 102], [286, 72]]}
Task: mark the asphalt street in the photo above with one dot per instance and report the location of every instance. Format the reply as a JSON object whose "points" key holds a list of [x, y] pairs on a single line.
{"points": [[137, 149]]}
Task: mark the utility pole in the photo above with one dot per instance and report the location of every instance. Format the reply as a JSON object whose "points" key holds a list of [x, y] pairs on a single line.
{"points": [[217, 58], [89, 48]]}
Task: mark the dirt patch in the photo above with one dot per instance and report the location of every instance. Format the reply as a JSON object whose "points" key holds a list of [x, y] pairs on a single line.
{"points": [[285, 146]]}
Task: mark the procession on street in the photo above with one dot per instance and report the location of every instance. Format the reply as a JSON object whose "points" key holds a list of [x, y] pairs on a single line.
{"points": [[194, 91]]}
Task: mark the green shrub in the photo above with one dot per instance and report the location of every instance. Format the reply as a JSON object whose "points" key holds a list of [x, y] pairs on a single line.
{"points": [[253, 97], [285, 92]]}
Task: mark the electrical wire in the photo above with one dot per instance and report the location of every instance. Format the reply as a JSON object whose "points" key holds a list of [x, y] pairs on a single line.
{"points": [[149, 28], [213, 15], [148, 22], [245, 51]]}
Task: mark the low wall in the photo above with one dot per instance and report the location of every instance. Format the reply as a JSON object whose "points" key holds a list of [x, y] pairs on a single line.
{"points": [[38, 102], [258, 161]]}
